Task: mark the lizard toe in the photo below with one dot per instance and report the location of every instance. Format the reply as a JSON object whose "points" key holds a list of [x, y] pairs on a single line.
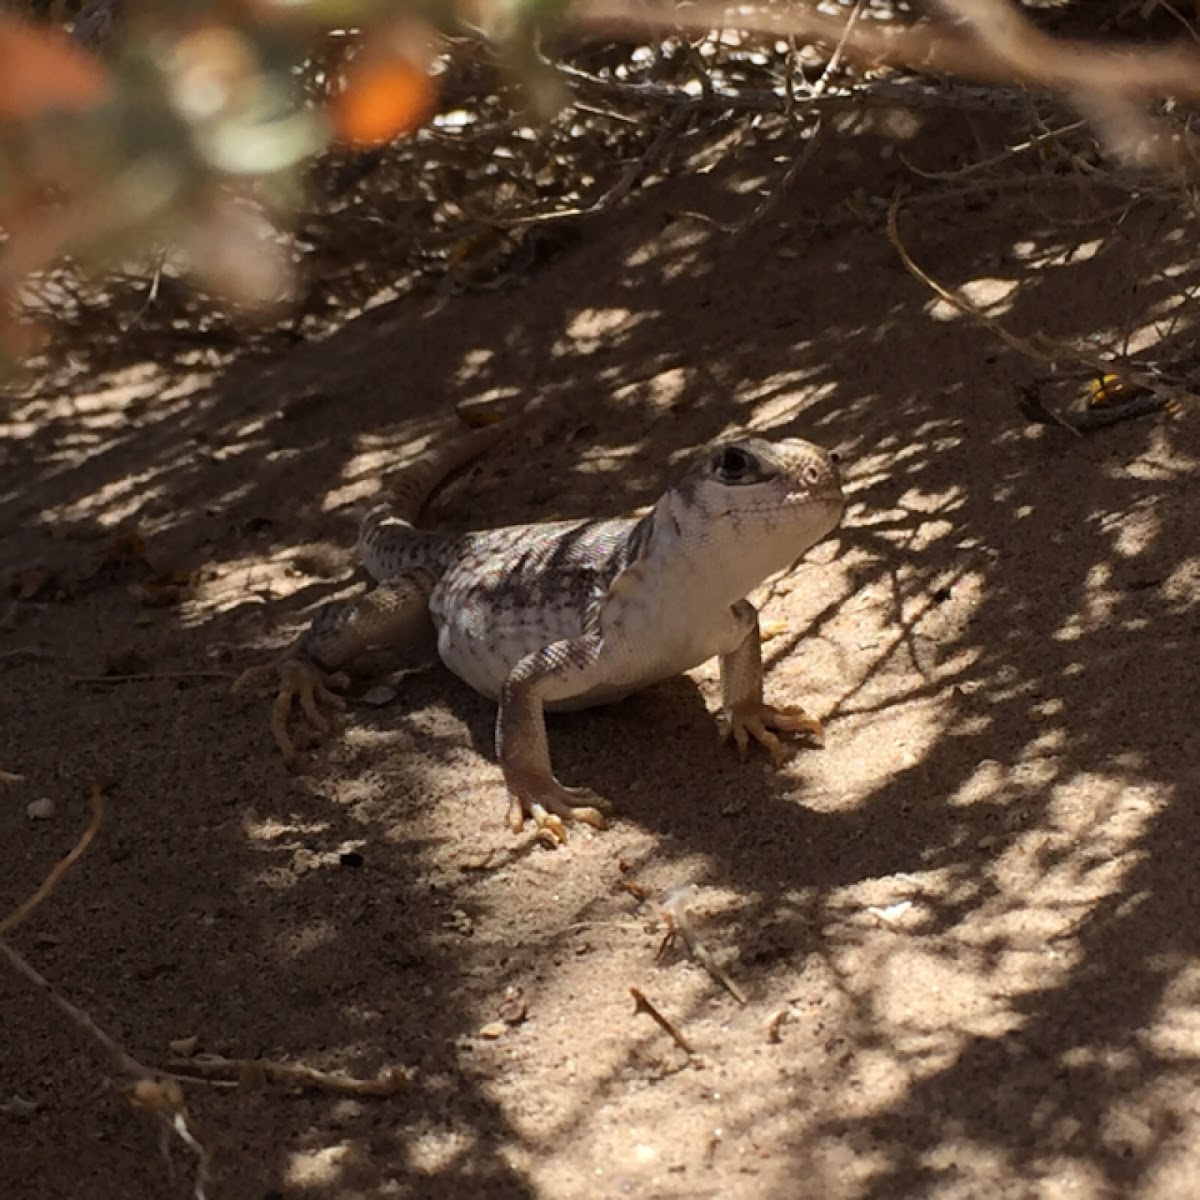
{"points": [[738, 732], [309, 687], [754, 722], [791, 718], [550, 827], [554, 807]]}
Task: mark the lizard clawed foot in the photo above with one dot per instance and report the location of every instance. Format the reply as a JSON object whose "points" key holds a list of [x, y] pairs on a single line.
{"points": [[552, 807], [754, 719], [308, 685]]}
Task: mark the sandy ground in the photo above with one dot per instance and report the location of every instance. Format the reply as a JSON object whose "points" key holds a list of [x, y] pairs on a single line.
{"points": [[965, 928]]}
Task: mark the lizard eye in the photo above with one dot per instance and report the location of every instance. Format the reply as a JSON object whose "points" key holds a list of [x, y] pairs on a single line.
{"points": [[732, 464], [812, 475]]}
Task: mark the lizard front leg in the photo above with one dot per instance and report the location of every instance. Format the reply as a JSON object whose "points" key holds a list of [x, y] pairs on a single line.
{"points": [[393, 614], [556, 672], [744, 713]]}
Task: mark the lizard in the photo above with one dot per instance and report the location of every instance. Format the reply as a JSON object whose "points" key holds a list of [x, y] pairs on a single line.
{"points": [[575, 613]]}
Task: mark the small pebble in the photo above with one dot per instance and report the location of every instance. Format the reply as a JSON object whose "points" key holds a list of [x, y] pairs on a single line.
{"points": [[380, 695], [40, 810]]}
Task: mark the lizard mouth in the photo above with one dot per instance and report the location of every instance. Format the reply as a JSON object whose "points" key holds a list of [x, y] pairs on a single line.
{"points": [[829, 498]]}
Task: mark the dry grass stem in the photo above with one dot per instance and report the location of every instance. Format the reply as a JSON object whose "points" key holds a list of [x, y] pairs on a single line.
{"points": [[47, 886], [215, 1068]]}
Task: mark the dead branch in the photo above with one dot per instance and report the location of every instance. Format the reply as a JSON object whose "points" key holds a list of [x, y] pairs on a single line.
{"points": [[143, 1088], [991, 42], [1020, 53]]}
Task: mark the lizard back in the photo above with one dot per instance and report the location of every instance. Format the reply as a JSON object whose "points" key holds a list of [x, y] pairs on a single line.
{"points": [[508, 592]]}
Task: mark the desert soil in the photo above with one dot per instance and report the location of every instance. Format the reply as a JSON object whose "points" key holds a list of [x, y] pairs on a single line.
{"points": [[965, 929]]}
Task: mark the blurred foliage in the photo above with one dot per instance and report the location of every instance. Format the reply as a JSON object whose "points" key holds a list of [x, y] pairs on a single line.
{"points": [[228, 141], [186, 127]]}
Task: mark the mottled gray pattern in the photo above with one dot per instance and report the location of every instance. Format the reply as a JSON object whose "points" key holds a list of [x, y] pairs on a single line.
{"points": [[512, 591], [583, 612], [503, 594]]}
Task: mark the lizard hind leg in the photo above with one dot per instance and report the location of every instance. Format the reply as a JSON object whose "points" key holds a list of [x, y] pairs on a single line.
{"points": [[300, 681], [392, 615], [310, 687], [552, 808]]}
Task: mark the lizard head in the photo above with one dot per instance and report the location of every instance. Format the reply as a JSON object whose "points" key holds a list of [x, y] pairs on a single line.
{"points": [[759, 504]]}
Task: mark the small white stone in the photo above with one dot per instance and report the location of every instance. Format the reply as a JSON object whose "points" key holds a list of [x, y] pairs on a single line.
{"points": [[40, 810]]}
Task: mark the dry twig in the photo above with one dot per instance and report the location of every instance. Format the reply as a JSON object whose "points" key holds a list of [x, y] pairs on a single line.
{"points": [[990, 41], [96, 801], [642, 1005], [142, 1087], [679, 924], [1039, 347], [162, 1098], [150, 676], [215, 1068]]}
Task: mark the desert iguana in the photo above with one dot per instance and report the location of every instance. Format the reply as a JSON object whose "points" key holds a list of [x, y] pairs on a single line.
{"points": [[575, 613]]}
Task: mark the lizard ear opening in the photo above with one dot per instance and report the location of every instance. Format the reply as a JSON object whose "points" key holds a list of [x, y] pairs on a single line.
{"points": [[733, 464]]}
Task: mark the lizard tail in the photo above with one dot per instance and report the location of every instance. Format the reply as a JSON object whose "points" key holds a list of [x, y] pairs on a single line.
{"points": [[388, 541], [445, 455]]}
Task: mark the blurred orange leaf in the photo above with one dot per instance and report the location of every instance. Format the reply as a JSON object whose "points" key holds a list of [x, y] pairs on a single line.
{"points": [[43, 69], [383, 98]]}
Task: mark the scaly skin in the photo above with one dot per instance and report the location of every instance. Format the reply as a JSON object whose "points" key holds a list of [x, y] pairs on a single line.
{"points": [[577, 613]]}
